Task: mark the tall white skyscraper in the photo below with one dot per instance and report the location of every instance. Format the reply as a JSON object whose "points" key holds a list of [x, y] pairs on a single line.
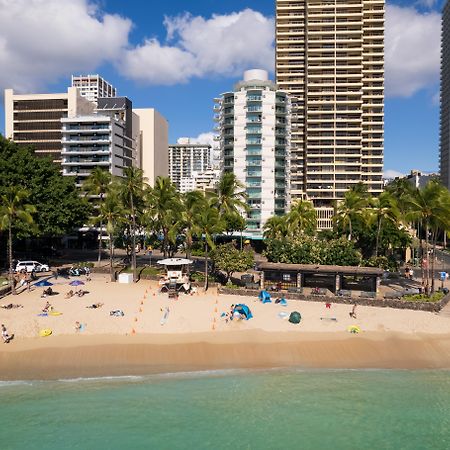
{"points": [[186, 160], [445, 97], [330, 59], [254, 126]]}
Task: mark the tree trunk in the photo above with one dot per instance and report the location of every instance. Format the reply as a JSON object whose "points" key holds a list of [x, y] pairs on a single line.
{"points": [[133, 240], [350, 229], [100, 235], [427, 268], [206, 266], [111, 270], [378, 237], [434, 239], [11, 268]]}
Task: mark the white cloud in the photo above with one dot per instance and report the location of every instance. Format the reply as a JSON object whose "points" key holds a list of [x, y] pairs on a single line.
{"points": [[436, 99], [427, 3], [390, 173], [204, 138], [42, 40], [412, 50], [196, 47]]}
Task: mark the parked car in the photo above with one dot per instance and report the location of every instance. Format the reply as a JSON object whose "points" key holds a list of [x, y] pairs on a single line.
{"points": [[31, 266]]}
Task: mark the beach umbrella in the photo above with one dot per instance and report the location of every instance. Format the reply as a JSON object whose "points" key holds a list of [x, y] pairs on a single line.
{"points": [[76, 283], [43, 283]]}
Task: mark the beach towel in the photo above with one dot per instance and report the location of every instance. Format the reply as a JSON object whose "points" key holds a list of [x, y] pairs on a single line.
{"points": [[43, 315]]}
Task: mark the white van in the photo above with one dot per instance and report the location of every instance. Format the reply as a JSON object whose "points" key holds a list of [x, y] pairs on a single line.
{"points": [[29, 266]]}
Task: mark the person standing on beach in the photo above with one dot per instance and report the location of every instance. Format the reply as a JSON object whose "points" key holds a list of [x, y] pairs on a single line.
{"points": [[352, 314]]}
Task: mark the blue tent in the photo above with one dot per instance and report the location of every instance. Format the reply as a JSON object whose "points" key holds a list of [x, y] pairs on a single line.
{"points": [[244, 310], [264, 296]]}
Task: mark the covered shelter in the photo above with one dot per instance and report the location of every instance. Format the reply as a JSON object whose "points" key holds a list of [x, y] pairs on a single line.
{"points": [[334, 278], [177, 273]]}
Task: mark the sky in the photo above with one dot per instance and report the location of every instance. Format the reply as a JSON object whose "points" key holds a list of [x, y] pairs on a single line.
{"points": [[177, 55]]}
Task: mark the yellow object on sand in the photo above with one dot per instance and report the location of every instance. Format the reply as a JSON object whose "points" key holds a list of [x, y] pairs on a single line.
{"points": [[45, 332], [55, 313], [354, 329]]}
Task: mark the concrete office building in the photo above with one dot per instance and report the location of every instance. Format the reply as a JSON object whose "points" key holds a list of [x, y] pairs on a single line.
{"points": [[330, 59], [93, 87], [35, 119], [95, 141], [444, 160], [185, 160], [254, 126], [153, 143]]}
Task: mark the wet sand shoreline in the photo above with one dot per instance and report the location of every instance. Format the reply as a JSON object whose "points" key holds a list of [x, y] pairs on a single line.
{"points": [[108, 355]]}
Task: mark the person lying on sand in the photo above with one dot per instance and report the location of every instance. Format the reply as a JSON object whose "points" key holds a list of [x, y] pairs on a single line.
{"points": [[11, 306], [95, 305], [48, 307], [69, 294], [80, 293], [117, 312]]}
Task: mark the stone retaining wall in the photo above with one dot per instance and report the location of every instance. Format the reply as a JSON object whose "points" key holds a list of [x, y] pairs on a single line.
{"points": [[4, 290], [380, 302]]}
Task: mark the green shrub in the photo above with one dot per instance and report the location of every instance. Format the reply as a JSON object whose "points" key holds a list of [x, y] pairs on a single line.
{"points": [[436, 297], [309, 250]]}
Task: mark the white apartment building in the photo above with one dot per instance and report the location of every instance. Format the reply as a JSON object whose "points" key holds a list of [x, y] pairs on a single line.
{"points": [[254, 126], [201, 181], [35, 119], [187, 160], [92, 87], [330, 59], [95, 141]]}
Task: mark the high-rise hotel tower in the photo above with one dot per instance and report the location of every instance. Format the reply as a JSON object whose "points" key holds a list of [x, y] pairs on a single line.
{"points": [[330, 59], [445, 97]]}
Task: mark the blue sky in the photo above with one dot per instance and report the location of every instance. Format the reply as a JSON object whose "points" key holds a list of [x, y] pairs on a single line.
{"points": [[176, 56]]}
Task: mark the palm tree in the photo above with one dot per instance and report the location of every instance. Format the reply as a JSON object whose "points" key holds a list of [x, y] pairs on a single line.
{"points": [[112, 214], [230, 195], [193, 203], [97, 184], [276, 227], [164, 210], [302, 218], [208, 223], [384, 209], [425, 207], [132, 191], [13, 208], [350, 209]]}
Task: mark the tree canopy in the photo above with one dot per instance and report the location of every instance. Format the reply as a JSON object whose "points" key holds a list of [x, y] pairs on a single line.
{"points": [[59, 206]]}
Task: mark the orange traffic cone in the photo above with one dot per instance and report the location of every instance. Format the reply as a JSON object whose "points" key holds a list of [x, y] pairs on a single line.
{"points": [[133, 331], [142, 302]]}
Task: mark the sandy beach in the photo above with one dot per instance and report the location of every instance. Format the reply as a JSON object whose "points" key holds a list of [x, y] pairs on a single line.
{"points": [[196, 337]]}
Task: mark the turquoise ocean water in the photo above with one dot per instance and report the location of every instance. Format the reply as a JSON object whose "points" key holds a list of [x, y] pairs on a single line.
{"points": [[278, 409]]}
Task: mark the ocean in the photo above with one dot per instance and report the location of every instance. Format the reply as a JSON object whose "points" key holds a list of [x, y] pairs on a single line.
{"points": [[271, 409]]}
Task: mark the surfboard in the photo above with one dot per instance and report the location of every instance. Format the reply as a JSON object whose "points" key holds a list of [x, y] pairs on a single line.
{"points": [[165, 316]]}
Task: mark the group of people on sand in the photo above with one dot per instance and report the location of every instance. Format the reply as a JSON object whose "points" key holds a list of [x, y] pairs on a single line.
{"points": [[78, 293]]}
